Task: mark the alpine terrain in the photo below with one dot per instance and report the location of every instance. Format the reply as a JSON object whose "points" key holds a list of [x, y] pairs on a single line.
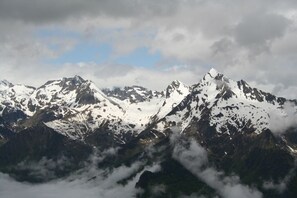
{"points": [[216, 138]]}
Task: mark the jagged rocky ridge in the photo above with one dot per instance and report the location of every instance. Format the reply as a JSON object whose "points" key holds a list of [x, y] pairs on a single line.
{"points": [[230, 119], [76, 107]]}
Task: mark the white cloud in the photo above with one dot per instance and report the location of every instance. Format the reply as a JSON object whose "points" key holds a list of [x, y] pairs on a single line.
{"points": [[106, 75], [182, 44], [281, 121], [79, 187], [194, 157], [89, 182]]}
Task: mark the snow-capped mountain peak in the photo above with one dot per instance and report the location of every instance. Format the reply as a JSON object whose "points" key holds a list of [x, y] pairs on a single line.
{"points": [[213, 72], [176, 86], [77, 107], [78, 79], [213, 76], [226, 105], [229, 121], [15, 98], [68, 91], [176, 83]]}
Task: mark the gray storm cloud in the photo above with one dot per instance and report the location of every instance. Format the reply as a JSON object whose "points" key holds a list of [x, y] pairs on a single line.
{"points": [[259, 29], [48, 11]]}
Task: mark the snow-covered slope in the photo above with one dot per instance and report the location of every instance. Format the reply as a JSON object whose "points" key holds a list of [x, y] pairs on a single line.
{"points": [[174, 94], [76, 107], [15, 97], [127, 110], [133, 94], [226, 105], [147, 106]]}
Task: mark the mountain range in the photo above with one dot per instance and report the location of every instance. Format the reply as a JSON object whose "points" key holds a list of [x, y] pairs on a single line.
{"points": [[240, 136]]}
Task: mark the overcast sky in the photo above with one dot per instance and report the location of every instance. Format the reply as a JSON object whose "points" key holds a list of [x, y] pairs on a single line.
{"points": [[150, 43]]}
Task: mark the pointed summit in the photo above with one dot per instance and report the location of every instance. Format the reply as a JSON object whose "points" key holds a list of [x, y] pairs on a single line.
{"points": [[178, 86], [213, 72], [76, 80], [175, 83], [173, 86]]}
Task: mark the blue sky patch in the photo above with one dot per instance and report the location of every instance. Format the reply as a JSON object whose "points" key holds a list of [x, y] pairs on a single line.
{"points": [[100, 53], [84, 52], [141, 57]]}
